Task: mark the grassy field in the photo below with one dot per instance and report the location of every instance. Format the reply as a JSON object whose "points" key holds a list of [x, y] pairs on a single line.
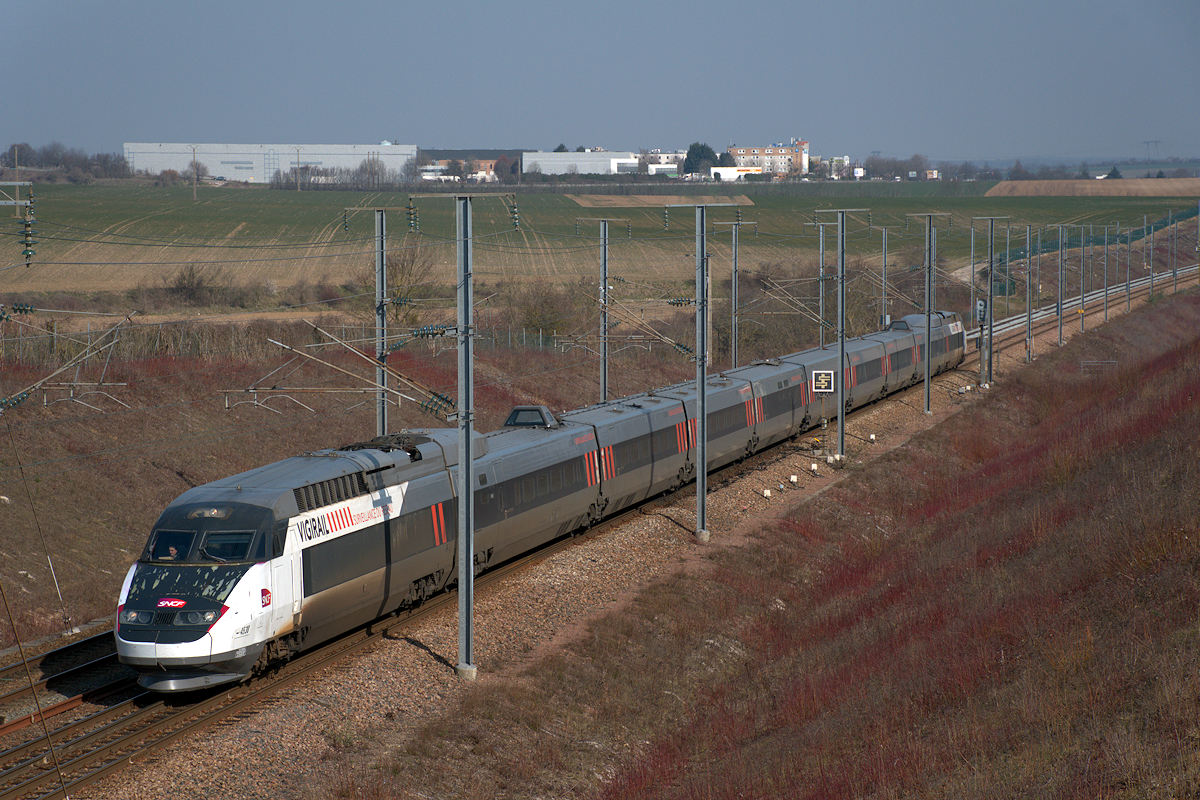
{"points": [[119, 237]]}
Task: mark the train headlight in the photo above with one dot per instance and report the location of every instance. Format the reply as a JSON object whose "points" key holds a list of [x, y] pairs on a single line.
{"points": [[129, 616], [197, 617]]}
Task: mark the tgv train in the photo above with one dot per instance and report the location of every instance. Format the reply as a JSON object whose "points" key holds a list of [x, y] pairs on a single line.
{"points": [[251, 569]]}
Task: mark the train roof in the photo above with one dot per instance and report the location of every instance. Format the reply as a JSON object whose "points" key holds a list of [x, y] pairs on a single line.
{"points": [[327, 476], [916, 322]]}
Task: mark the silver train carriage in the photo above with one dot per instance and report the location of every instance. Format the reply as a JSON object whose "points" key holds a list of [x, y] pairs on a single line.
{"points": [[251, 569]]}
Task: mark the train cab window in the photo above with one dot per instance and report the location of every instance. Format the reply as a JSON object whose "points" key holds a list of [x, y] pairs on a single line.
{"points": [[204, 533], [226, 546], [171, 545]]}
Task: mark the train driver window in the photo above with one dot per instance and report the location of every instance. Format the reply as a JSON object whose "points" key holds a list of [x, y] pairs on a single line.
{"points": [[226, 545], [171, 545]]}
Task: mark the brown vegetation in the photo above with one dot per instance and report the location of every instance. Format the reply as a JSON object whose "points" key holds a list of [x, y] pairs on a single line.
{"points": [[86, 479], [1006, 607]]}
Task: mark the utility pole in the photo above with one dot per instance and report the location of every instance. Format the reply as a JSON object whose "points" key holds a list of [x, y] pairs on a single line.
{"points": [[1083, 253], [702, 323], [733, 297], [972, 306], [991, 289], [1028, 294], [734, 228], [1039, 269], [1128, 269], [989, 316], [194, 173], [465, 478], [297, 169], [821, 289], [933, 267], [1152, 258], [1171, 250], [604, 312], [701, 374], [821, 278], [1007, 266], [604, 287], [883, 315], [1059, 306], [1118, 233], [1149, 261], [841, 235], [381, 413], [466, 431], [844, 372]]}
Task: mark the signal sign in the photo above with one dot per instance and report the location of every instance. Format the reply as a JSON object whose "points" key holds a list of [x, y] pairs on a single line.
{"points": [[822, 381]]}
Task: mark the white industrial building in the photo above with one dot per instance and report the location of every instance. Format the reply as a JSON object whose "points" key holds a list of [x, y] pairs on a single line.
{"points": [[257, 163], [733, 173], [591, 162]]}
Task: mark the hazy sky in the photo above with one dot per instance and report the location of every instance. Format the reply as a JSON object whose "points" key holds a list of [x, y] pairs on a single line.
{"points": [[952, 79]]}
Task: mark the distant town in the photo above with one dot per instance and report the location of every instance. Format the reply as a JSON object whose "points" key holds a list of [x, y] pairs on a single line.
{"points": [[374, 166]]}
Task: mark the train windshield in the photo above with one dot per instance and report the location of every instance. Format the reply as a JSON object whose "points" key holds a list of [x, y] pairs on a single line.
{"points": [[152, 582], [205, 533]]}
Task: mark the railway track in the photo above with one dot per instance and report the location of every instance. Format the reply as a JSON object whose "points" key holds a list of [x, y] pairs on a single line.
{"points": [[130, 722], [112, 722]]}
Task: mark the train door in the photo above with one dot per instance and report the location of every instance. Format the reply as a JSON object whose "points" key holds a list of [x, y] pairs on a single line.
{"points": [[286, 592]]}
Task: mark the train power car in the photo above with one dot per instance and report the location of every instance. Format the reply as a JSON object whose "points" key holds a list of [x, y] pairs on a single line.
{"points": [[251, 569]]}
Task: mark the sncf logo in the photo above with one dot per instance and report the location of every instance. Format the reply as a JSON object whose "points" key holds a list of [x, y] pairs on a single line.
{"points": [[171, 602], [266, 597]]}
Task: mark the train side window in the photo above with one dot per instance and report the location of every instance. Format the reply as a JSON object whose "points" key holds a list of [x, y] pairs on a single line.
{"points": [[543, 484], [527, 490], [556, 479], [278, 538]]}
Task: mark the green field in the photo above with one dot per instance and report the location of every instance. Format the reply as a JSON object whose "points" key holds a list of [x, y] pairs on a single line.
{"points": [[122, 236]]}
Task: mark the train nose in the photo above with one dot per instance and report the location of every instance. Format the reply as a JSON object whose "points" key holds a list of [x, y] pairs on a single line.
{"points": [[162, 648], [180, 654]]}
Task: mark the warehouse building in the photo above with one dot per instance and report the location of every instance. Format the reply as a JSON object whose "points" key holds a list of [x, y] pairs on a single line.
{"points": [[589, 162], [257, 163]]}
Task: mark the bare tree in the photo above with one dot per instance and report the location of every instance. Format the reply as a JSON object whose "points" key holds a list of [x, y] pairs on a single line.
{"points": [[410, 172], [409, 269]]}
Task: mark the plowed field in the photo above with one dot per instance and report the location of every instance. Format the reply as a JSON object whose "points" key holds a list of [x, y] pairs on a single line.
{"points": [[1126, 187]]}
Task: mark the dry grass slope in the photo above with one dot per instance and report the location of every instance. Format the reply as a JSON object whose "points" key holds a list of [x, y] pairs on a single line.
{"points": [[1004, 608]]}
